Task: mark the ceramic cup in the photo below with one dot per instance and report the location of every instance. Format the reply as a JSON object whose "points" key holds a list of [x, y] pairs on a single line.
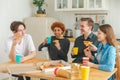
{"points": [[85, 59], [75, 50], [49, 40], [18, 58], [85, 70]]}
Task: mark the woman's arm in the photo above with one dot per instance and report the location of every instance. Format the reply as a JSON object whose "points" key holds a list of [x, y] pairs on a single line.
{"points": [[109, 62], [12, 53], [15, 41], [92, 47], [43, 44], [91, 65], [30, 56], [88, 53]]}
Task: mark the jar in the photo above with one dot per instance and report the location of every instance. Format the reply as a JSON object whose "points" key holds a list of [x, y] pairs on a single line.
{"points": [[75, 71]]}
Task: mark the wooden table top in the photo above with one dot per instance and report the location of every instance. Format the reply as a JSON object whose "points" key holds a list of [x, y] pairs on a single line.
{"points": [[95, 74]]}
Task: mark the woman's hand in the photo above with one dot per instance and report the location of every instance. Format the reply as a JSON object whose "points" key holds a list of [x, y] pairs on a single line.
{"points": [[87, 52], [57, 44], [45, 41], [17, 39], [92, 47], [23, 59], [90, 64], [31, 55]]}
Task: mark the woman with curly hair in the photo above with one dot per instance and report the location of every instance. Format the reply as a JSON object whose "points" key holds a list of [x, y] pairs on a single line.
{"points": [[59, 46]]}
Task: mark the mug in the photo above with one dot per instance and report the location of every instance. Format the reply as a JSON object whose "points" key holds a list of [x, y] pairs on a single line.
{"points": [[18, 58], [85, 70], [85, 59], [49, 40], [75, 50]]}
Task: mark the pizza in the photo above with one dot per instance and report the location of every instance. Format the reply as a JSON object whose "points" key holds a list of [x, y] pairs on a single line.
{"points": [[51, 66], [19, 37], [87, 43]]}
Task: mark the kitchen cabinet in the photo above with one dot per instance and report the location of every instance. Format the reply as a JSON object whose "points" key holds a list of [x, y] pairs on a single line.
{"points": [[68, 5], [96, 5], [78, 5]]}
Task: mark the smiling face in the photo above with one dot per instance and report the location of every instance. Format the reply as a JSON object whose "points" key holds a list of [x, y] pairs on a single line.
{"points": [[20, 30], [101, 36], [84, 28], [57, 32]]}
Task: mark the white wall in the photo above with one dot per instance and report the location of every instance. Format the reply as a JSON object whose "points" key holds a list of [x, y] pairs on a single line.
{"points": [[11, 10], [69, 18], [115, 16]]}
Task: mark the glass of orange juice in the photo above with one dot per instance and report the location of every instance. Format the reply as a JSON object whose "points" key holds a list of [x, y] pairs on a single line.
{"points": [[75, 50], [85, 70]]}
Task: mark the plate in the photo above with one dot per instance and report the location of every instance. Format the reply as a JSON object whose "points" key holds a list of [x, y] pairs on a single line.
{"points": [[51, 65]]}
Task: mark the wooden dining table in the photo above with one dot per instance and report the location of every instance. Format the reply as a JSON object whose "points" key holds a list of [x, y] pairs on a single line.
{"points": [[95, 74]]}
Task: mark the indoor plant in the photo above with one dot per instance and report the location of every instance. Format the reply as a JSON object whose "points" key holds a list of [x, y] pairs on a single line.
{"points": [[39, 4]]}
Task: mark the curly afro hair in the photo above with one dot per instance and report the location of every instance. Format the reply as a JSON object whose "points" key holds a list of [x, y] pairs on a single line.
{"points": [[59, 25]]}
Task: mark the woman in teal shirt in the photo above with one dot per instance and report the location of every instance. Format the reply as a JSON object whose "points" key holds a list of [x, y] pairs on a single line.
{"points": [[105, 58]]}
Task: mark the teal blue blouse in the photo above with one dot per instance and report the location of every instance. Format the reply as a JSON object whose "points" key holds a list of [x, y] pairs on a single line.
{"points": [[107, 59]]}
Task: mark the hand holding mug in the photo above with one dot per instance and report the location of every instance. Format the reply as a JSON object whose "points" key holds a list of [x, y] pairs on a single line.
{"points": [[75, 51], [90, 64], [45, 41], [18, 58], [49, 40]]}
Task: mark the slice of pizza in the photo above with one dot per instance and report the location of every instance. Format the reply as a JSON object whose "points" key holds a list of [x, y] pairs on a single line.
{"points": [[19, 37], [51, 66], [87, 43]]}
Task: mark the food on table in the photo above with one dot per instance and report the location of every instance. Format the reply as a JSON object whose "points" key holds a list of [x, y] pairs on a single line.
{"points": [[51, 66]]}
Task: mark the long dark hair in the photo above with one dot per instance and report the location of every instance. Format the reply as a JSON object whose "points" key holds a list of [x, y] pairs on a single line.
{"points": [[111, 39], [110, 36]]}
